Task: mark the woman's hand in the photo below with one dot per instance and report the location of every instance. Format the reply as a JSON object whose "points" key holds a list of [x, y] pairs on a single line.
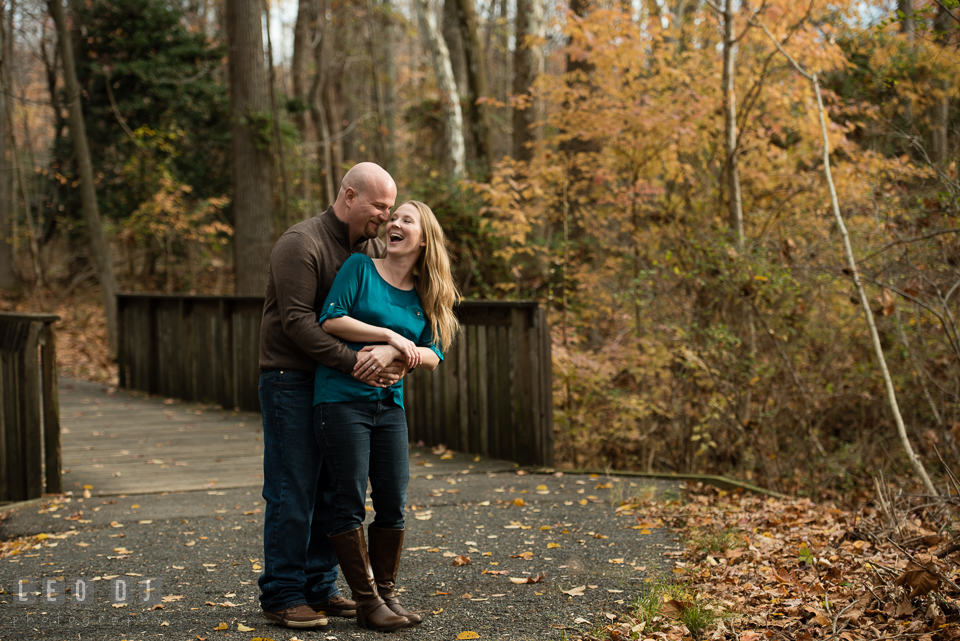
{"points": [[407, 348], [372, 360]]}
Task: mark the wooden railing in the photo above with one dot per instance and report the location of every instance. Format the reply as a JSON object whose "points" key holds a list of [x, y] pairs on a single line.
{"points": [[29, 407], [491, 396]]}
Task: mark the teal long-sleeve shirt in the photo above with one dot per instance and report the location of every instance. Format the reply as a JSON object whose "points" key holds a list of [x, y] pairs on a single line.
{"points": [[362, 294]]}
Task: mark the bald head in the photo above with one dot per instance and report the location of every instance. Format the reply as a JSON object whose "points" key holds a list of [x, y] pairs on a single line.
{"points": [[367, 193]]}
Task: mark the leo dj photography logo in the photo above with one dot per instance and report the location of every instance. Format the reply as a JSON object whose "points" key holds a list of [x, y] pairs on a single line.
{"points": [[83, 591]]}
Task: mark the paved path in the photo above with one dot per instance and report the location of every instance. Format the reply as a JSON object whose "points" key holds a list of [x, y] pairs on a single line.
{"points": [[588, 559], [124, 442]]}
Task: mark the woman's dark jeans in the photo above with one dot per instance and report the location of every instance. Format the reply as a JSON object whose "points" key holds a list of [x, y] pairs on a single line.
{"points": [[361, 440]]}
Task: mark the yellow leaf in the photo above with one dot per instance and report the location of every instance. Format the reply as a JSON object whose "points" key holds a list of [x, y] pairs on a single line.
{"points": [[243, 628], [519, 502], [553, 545], [541, 487], [222, 626], [469, 634]]}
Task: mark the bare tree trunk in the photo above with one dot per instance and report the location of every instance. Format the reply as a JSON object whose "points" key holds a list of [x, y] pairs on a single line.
{"points": [[389, 83], [941, 109], [334, 107], [915, 461], [249, 146], [907, 23], [476, 82], [528, 63], [277, 133], [8, 275], [376, 31], [453, 117], [317, 106], [88, 194], [730, 123], [454, 39], [735, 201], [301, 55]]}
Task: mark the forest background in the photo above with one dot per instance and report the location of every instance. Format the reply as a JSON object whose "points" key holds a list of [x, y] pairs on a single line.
{"points": [[651, 171]]}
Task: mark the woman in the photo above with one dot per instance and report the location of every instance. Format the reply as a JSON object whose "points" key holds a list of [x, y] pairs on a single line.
{"points": [[400, 303]]}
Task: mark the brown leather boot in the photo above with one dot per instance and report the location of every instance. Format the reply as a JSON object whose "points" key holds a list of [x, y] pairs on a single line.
{"points": [[386, 546], [372, 612]]}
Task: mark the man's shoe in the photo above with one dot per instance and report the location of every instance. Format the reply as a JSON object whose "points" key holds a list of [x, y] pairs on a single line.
{"points": [[338, 606], [299, 616]]}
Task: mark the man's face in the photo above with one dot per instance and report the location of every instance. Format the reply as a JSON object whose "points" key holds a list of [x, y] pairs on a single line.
{"points": [[371, 208]]}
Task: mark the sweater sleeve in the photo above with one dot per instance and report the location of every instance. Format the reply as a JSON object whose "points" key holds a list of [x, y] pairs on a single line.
{"points": [[296, 280]]}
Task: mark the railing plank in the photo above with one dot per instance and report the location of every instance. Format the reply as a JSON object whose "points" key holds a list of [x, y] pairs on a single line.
{"points": [[31, 431], [29, 407], [51, 411]]}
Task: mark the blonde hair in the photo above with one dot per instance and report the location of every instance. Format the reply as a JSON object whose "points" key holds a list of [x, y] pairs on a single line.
{"points": [[438, 292]]}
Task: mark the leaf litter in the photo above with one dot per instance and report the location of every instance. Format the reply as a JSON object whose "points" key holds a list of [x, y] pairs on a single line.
{"points": [[769, 568]]}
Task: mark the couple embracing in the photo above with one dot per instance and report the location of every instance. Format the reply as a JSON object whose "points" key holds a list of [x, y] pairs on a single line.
{"points": [[346, 316]]}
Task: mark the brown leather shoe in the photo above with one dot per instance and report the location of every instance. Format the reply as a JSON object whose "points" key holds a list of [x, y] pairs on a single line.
{"points": [[386, 546], [299, 616], [372, 612], [338, 606]]}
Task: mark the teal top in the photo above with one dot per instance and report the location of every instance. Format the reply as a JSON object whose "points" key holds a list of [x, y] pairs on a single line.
{"points": [[362, 294]]}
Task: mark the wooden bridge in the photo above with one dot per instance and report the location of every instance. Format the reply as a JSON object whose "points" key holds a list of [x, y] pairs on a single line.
{"points": [[117, 441], [187, 417]]}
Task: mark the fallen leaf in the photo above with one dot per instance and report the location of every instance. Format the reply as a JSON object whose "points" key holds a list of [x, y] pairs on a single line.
{"points": [[673, 608], [919, 581], [222, 626], [469, 634], [529, 579], [243, 628], [460, 560], [577, 591]]}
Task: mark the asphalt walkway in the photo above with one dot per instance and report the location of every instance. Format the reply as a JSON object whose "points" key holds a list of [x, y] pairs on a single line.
{"points": [[549, 556]]}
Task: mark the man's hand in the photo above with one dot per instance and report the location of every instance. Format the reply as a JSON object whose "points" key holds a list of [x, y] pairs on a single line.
{"points": [[373, 358], [386, 376], [379, 365]]}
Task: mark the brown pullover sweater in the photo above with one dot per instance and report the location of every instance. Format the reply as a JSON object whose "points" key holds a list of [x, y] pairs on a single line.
{"points": [[303, 264]]}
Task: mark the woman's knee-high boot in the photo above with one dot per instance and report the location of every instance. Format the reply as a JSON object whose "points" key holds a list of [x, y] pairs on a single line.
{"points": [[386, 547], [372, 612]]}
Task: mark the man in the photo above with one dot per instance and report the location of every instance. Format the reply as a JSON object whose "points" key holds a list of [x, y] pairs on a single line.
{"points": [[298, 584]]}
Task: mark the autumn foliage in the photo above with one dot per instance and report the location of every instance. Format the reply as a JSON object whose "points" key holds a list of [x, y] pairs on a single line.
{"points": [[678, 346], [620, 224]]}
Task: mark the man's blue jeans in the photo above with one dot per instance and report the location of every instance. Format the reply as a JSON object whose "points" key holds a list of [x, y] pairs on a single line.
{"points": [[299, 564], [363, 440]]}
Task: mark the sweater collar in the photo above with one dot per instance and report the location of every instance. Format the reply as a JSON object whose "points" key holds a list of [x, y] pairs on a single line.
{"points": [[339, 229]]}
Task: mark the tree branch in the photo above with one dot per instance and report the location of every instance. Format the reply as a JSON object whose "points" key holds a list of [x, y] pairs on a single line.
{"points": [[947, 11]]}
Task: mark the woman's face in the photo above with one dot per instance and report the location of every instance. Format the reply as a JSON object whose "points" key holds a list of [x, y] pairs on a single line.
{"points": [[404, 231]]}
